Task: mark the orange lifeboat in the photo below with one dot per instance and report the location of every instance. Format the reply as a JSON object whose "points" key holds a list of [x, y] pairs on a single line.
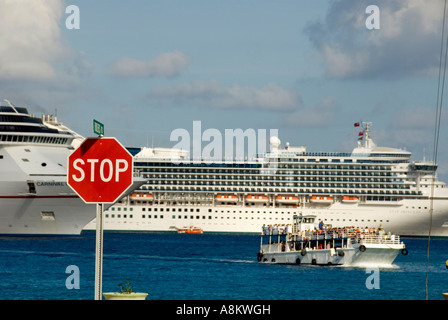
{"points": [[142, 196], [349, 199], [321, 199], [287, 199], [256, 198], [227, 198], [190, 230]]}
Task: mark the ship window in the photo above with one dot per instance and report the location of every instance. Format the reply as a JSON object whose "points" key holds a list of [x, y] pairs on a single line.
{"points": [[47, 216], [31, 187]]}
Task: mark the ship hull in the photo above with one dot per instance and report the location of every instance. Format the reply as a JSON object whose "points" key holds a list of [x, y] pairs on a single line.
{"points": [[34, 196], [409, 218], [374, 255], [44, 215]]}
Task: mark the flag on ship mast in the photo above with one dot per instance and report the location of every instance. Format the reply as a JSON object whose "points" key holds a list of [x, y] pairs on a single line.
{"points": [[360, 135], [356, 124]]}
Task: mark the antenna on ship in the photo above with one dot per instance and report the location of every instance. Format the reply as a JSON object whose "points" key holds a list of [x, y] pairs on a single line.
{"points": [[364, 134]]}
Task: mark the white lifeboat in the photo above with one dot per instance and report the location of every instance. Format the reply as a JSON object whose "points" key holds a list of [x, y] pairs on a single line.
{"points": [[287, 199]]}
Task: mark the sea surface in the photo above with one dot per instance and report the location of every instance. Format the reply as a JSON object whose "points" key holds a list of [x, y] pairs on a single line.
{"points": [[173, 266]]}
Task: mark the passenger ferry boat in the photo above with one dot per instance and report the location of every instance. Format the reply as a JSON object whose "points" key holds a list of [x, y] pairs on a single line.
{"points": [[371, 186], [303, 243], [34, 195]]}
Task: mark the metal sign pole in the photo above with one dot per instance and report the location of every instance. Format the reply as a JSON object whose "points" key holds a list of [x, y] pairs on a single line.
{"points": [[99, 252]]}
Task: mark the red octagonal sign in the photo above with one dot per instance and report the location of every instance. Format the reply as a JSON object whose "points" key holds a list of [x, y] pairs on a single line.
{"points": [[100, 170]]}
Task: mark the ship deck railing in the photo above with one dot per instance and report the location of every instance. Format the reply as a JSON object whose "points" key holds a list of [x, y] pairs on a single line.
{"points": [[384, 239], [358, 237]]}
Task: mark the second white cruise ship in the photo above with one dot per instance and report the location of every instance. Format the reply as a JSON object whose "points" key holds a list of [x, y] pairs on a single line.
{"points": [[370, 187]]}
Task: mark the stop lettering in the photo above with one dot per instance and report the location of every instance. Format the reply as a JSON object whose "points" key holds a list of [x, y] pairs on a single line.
{"points": [[100, 170]]}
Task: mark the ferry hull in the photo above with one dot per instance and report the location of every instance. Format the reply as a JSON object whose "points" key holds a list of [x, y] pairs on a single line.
{"points": [[379, 256]]}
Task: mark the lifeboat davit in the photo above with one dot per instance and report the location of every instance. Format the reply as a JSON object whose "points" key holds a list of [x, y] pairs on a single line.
{"points": [[349, 199], [321, 199], [227, 198], [142, 196], [256, 198], [287, 199]]}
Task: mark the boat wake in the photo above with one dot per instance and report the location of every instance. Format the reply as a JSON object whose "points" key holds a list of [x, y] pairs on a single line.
{"points": [[177, 258]]}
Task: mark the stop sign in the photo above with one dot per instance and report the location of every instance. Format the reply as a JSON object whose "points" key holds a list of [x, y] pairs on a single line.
{"points": [[100, 170]]}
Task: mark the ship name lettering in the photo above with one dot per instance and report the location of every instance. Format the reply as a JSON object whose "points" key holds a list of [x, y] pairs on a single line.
{"points": [[50, 184]]}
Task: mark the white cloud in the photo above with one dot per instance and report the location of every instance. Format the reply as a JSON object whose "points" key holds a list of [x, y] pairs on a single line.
{"points": [[212, 94], [30, 39], [167, 65], [37, 64], [407, 43]]}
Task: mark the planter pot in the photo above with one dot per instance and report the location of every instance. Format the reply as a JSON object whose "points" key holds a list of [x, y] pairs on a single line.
{"points": [[125, 296]]}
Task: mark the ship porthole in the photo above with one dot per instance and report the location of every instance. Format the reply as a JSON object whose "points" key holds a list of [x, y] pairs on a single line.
{"points": [[43, 164], [362, 248]]}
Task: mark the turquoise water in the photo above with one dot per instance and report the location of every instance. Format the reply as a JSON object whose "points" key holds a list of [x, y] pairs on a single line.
{"points": [[207, 267]]}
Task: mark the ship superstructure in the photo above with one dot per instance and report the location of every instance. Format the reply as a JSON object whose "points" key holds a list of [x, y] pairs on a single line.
{"points": [[371, 186], [34, 195]]}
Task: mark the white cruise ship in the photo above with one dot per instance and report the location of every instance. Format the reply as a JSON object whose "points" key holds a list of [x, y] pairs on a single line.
{"points": [[34, 195], [369, 187]]}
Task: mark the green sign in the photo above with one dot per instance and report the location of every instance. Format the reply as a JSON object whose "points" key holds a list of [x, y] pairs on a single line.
{"points": [[98, 128]]}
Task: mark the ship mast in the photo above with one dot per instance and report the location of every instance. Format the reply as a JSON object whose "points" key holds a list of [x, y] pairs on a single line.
{"points": [[368, 143]]}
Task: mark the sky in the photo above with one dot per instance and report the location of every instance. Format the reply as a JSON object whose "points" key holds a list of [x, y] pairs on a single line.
{"points": [[309, 69]]}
